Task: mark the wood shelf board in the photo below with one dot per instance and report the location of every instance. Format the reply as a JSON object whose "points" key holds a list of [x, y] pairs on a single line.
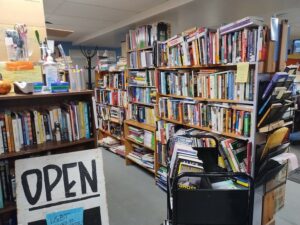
{"points": [[8, 207], [201, 66], [209, 99], [109, 105], [206, 129], [142, 103], [139, 49], [141, 125], [109, 134], [138, 143], [142, 68], [140, 164], [14, 96], [47, 146]]}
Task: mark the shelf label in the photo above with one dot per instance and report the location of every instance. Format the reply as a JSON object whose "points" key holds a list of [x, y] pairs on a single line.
{"points": [[66, 217], [242, 74]]}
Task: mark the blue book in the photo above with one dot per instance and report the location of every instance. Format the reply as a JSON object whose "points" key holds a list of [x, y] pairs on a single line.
{"points": [[277, 78], [86, 119], [1, 196]]}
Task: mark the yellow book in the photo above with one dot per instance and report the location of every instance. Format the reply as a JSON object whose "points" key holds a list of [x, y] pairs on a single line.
{"points": [[82, 125], [274, 140]]}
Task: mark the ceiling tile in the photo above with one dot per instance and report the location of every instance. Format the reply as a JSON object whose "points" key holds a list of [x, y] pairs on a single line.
{"points": [[80, 22], [131, 5], [51, 5], [91, 12]]}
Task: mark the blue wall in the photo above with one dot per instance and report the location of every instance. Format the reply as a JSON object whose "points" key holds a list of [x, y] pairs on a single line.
{"points": [[67, 45]]}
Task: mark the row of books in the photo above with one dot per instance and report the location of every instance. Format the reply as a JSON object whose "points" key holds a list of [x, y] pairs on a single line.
{"points": [[141, 114], [133, 60], [222, 118], [111, 113], [77, 81], [115, 129], [141, 136], [141, 78], [143, 156], [146, 59], [202, 46], [144, 36], [7, 184], [112, 80], [206, 84], [111, 97], [68, 122], [141, 95]]}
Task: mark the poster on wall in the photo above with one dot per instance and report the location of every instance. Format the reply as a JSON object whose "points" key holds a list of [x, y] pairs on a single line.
{"points": [[63, 189]]}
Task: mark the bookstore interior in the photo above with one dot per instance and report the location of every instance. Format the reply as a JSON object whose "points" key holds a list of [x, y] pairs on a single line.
{"points": [[149, 112]]}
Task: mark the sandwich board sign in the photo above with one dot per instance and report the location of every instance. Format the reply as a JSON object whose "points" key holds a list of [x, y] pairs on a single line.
{"points": [[62, 189]]}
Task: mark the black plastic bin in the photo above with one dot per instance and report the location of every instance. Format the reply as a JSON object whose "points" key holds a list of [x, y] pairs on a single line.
{"points": [[209, 206]]}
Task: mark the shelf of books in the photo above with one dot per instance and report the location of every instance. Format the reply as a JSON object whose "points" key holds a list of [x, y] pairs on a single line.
{"points": [[40, 124], [140, 125], [207, 80], [111, 103], [224, 82]]}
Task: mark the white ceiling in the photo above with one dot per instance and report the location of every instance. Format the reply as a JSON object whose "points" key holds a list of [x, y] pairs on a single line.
{"points": [[89, 16], [105, 22]]}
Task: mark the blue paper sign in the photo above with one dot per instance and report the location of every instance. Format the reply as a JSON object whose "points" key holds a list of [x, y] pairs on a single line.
{"points": [[66, 217]]}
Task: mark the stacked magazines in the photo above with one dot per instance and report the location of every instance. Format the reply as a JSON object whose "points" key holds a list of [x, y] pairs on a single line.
{"points": [[142, 156]]}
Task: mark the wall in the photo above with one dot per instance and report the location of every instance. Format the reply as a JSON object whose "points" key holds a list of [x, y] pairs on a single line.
{"points": [[20, 11], [212, 13]]}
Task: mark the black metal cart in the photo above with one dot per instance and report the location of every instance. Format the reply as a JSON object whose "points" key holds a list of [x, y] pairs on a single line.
{"points": [[207, 206]]}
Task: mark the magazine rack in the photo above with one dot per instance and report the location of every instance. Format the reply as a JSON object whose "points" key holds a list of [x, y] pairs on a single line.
{"points": [[207, 206]]}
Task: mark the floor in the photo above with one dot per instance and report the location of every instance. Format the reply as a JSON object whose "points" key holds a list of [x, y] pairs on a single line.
{"points": [[134, 199]]}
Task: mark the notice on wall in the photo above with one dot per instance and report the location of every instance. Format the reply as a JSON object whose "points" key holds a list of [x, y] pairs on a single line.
{"points": [[62, 189]]}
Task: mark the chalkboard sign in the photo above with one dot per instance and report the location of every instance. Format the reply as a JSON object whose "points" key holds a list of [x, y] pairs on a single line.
{"points": [[63, 189]]}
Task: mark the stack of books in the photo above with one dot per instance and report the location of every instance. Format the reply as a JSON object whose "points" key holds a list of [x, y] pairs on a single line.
{"points": [[136, 134], [142, 156], [133, 60], [221, 118], [141, 95], [161, 178], [113, 81], [206, 84], [111, 97], [141, 78], [144, 36], [141, 114], [70, 121], [146, 59], [235, 154], [240, 41]]}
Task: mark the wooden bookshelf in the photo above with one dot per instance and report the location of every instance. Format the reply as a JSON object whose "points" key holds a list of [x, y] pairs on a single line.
{"points": [[45, 147], [38, 101], [142, 103], [138, 143], [208, 99], [139, 164], [98, 76], [140, 125]]}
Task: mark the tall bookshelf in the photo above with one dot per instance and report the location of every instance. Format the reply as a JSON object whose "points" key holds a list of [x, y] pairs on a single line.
{"points": [[141, 119], [111, 103], [201, 84], [16, 106]]}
